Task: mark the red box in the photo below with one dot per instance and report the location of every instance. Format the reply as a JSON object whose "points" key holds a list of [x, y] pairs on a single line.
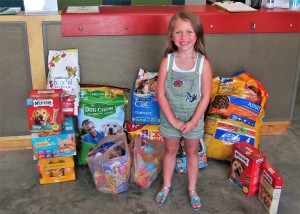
{"points": [[270, 188], [245, 167], [44, 109]]}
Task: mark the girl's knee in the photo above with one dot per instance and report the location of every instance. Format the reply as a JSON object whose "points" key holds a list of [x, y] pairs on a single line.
{"points": [[192, 151], [171, 151], [193, 155]]}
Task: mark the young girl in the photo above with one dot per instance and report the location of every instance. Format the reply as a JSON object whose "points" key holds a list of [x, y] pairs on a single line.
{"points": [[183, 91]]}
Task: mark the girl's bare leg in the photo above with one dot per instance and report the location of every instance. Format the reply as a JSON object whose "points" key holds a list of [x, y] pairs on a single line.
{"points": [[191, 148], [169, 160]]}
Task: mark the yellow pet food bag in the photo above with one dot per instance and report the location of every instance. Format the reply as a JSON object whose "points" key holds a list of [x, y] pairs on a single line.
{"points": [[235, 114]]}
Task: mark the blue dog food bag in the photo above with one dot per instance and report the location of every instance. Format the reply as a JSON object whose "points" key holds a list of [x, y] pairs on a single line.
{"points": [[145, 107]]}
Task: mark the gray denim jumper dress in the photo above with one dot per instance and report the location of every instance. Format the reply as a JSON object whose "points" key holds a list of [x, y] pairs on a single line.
{"points": [[183, 93]]}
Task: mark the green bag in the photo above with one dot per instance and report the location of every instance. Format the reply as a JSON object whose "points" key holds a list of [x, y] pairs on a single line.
{"points": [[84, 151]]}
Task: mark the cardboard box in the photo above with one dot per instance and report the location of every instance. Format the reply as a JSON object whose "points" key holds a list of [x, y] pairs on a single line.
{"points": [[54, 170], [245, 167], [270, 188], [55, 145], [44, 109]]}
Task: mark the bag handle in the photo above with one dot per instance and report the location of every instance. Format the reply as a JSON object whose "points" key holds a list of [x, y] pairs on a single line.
{"points": [[111, 138]]}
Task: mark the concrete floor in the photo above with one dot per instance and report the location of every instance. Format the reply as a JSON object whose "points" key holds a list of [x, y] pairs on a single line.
{"points": [[20, 191]]}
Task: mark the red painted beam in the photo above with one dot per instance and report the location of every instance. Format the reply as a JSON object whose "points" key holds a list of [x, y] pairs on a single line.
{"points": [[153, 20]]}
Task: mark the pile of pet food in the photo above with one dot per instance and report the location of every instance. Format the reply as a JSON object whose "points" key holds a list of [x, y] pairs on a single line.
{"points": [[146, 115], [117, 151], [50, 112], [232, 132], [250, 171]]}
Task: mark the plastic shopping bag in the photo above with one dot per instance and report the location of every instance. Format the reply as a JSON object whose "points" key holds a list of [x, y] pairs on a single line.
{"points": [[109, 164], [147, 160]]}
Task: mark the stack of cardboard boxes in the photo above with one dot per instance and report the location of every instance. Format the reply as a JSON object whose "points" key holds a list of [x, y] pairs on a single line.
{"points": [[53, 136], [252, 174]]}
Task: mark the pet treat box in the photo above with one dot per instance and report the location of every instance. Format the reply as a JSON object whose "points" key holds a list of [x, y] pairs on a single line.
{"points": [[59, 145], [245, 167], [270, 188], [54, 170], [44, 109]]}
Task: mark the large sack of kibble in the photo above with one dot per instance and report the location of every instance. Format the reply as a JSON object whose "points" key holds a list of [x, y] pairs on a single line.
{"points": [[145, 107], [101, 113], [235, 114]]}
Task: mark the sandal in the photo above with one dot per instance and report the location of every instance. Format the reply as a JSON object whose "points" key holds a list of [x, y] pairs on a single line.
{"points": [[195, 200], [161, 196]]}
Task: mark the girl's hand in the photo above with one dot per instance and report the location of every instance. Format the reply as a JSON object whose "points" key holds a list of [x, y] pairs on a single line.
{"points": [[177, 124], [188, 127]]}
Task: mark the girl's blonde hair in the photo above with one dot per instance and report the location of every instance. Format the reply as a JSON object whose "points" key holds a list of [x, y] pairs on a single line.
{"points": [[197, 26]]}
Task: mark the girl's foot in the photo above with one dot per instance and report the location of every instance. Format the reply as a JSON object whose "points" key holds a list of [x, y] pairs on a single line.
{"points": [[162, 196], [195, 200]]}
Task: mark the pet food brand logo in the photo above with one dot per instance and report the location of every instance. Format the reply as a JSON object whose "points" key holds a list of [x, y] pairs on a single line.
{"points": [[146, 99], [254, 107], [47, 143], [225, 80], [241, 157], [142, 102], [46, 102], [42, 144], [99, 110], [267, 177], [29, 101], [97, 94], [60, 82]]}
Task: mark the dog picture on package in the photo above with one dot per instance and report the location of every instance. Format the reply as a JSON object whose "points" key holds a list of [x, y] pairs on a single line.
{"points": [[237, 170], [41, 116], [245, 167], [112, 128]]}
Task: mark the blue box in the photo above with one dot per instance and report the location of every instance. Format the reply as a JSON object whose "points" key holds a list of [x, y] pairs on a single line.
{"points": [[60, 145]]}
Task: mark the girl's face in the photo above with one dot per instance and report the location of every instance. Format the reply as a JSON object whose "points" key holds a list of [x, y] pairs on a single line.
{"points": [[184, 35]]}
